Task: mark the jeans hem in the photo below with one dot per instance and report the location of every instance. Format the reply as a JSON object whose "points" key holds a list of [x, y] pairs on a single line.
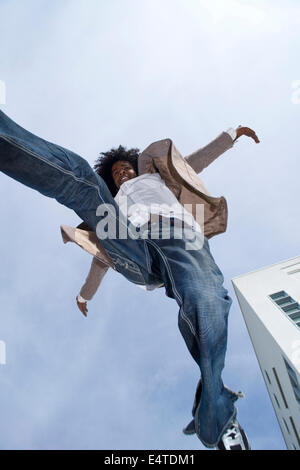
{"points": [[220, 434]]}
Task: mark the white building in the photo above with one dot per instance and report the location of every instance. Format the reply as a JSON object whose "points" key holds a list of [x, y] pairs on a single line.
{"points": [[269, 299]]}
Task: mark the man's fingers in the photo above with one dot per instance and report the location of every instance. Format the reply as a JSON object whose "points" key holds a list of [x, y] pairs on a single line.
{"points": [[84, 312], [251, 133], [83, 308]]}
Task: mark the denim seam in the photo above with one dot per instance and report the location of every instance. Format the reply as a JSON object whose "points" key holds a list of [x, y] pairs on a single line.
{"points": [[175, 290], [147, 256], [30, 152], [67, 172]]}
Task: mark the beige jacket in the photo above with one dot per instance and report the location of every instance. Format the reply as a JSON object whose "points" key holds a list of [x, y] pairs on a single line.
{"points": [[180, 176]]}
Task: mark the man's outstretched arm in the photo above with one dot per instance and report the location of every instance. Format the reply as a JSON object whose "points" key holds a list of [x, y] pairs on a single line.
{"points": [[204, 156]]}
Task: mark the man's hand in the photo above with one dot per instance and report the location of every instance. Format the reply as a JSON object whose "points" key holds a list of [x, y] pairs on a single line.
{"points": [[82, 307], [246, 131]]}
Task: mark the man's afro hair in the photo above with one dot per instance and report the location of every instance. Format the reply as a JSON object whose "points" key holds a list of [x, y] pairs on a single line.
{"points": [[104, 163]]}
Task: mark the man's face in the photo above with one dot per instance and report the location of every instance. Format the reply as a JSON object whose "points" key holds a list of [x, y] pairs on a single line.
{"points": [[122, 171]]}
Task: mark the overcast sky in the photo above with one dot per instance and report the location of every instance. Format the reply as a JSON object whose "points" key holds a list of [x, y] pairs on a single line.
{"points": [[92, 74]]}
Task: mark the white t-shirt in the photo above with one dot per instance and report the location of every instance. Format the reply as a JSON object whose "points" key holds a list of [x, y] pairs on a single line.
{"points": [[148, 193]]}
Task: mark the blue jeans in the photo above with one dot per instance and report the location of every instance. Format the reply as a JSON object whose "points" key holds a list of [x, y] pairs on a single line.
{"points": [[191, 277]]}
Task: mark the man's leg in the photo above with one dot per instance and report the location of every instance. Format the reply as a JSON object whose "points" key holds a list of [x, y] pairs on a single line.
{"points": [[61, 174], [194, 280]]}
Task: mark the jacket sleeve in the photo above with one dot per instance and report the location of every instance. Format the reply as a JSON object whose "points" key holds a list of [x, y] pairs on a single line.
{"points": [[206, 155], [94, 278]]}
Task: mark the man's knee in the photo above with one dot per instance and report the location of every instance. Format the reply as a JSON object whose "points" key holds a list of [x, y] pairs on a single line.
{"points": [[206, 300]]}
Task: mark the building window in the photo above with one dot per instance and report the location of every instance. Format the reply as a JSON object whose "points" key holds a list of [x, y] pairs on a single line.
{"points": [[280, 387], [286, 426], [267, 375], [293, 380], [276, 400], [278, 295], [287, 305], [295, 430]]}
